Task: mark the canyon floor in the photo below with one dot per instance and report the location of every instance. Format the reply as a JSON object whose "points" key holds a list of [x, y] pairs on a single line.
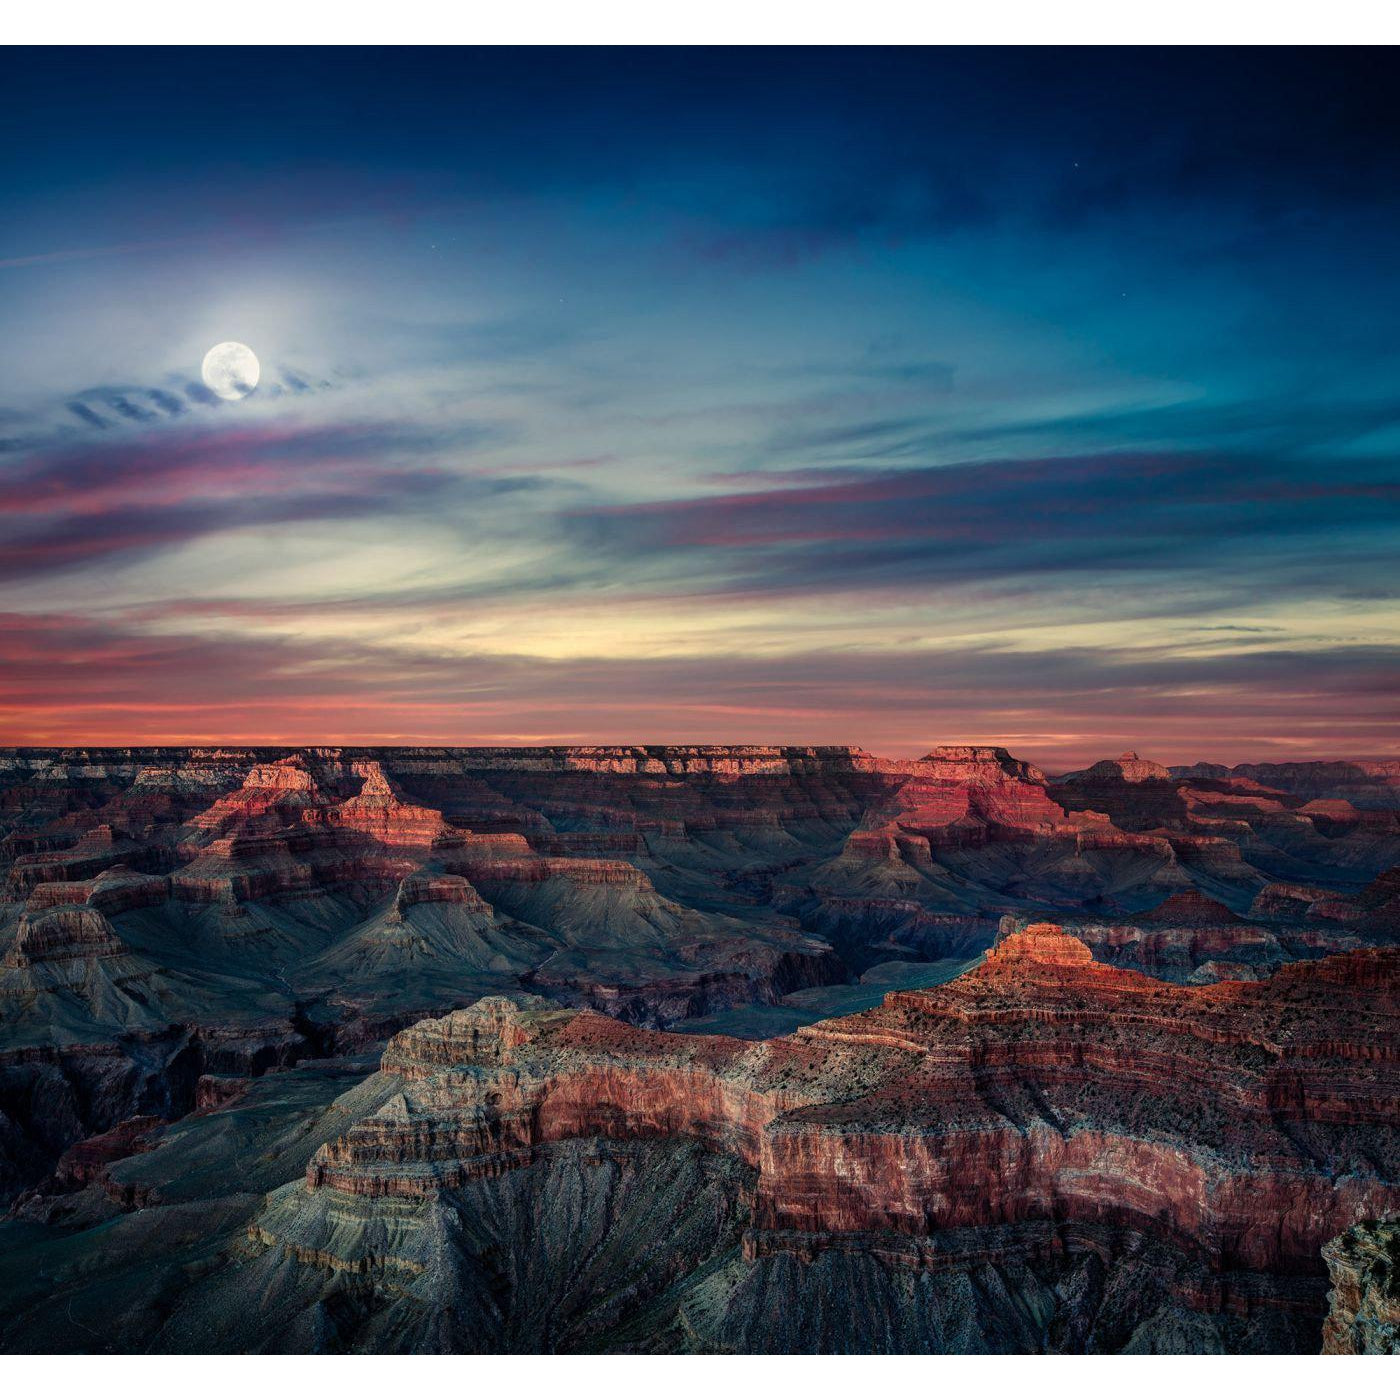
{"points": [[646, 1048]]}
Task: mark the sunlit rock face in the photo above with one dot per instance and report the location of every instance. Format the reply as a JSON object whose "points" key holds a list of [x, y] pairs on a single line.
{"points": [[206, 949], [1041, 1108]]}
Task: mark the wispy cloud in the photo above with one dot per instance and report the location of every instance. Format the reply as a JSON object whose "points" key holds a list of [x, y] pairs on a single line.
{"points": [[1125, 512], [89, 504]]}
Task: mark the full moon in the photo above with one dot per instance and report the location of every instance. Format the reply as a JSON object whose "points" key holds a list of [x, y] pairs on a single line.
{"points": [[231, 370]]}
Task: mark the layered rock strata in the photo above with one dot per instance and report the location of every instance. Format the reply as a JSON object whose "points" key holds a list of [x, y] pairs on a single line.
{"points": [[1242, 1125], [318, 900]]}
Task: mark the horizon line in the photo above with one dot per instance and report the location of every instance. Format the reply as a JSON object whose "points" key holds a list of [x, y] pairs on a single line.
{"points": [[584, 744]]}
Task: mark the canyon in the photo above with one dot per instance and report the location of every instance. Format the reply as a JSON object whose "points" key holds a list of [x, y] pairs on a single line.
{"points": [[707, 1048]]}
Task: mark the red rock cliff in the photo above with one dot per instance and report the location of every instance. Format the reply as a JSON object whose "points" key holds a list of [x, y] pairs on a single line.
{"points": [[1247, 1123]]}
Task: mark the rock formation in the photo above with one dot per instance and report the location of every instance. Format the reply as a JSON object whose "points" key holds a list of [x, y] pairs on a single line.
{"points": [[1365, 1314], [1368, 784], [1239, 1126], [202, 948], [1190, 937]]}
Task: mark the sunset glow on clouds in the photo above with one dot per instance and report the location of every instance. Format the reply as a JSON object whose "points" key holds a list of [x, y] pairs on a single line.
{"points": [[769, 397]]}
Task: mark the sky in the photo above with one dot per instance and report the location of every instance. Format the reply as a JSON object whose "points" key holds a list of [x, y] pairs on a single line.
{"points": [[1046, 398]]}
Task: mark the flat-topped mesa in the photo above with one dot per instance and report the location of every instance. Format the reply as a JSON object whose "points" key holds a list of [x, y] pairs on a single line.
{"points": [[1144, 798], [99, 849], [976, 763], [72, 932], [962, 795], [114, 891], [533, 869], [424, 888]]}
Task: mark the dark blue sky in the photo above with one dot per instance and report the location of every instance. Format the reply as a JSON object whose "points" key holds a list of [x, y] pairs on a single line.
{"points": [[1043, 396]]}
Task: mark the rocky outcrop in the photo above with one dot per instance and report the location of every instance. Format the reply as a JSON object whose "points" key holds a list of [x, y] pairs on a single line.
{"points": [[53, 1096], [1364, 1264], [423, 888], [236, 869], [100, 849], [379, 811], [115, 891], [1128, 768], [1245, 1124], [1373, 784], [272, 794], [1234, 803], [1187, 937], [85, 1163], [1281, 900], [63, 934], [534, 870], [1371, 914], [962, 795]]}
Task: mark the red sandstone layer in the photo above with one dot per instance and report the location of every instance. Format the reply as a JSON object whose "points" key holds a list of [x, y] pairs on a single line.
{"points": [[1247, 1122]]}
